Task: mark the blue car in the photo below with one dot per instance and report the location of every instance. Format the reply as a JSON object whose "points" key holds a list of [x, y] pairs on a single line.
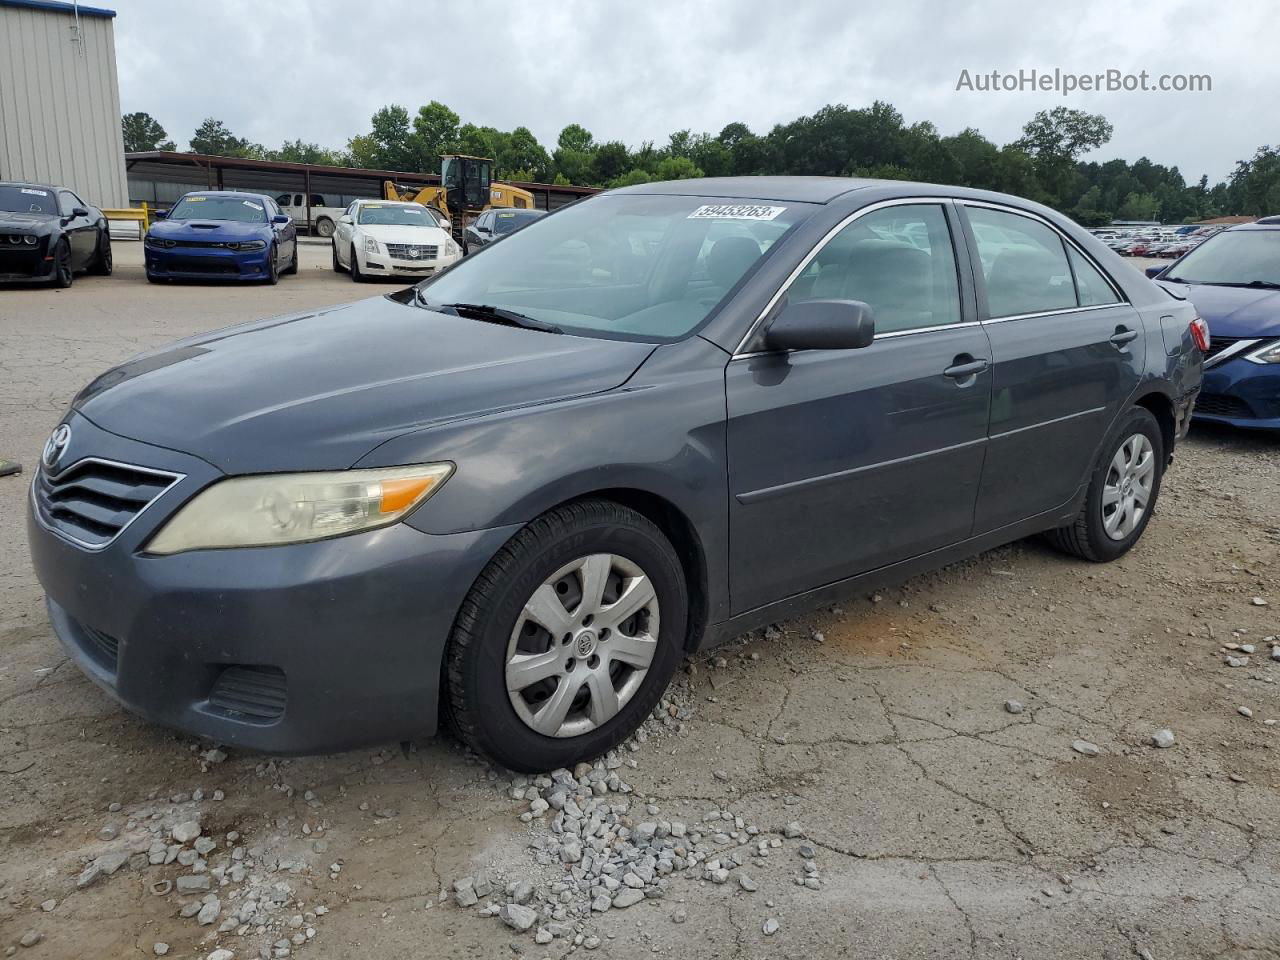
{"points": [[1233, 278], [222, 234]]}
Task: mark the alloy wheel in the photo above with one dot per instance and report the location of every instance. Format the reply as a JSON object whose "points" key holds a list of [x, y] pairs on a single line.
{"points": [[581, 645], [1127, 489]]}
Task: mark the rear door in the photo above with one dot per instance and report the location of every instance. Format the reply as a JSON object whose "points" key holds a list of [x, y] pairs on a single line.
{"points": [[1067, 353], [841, 461]]}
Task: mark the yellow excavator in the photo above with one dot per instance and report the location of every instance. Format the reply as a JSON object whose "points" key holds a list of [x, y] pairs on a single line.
{"points": [[465, 191]]}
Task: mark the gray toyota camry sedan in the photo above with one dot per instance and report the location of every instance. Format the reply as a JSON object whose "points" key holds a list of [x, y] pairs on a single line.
{"points": [[517, 494]]}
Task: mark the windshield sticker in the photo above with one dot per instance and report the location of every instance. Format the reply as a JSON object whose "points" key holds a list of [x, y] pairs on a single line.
{"points": [[250, 203], [506, 216], [35, 193], [735, 211], [373, 206], [196, 199]]}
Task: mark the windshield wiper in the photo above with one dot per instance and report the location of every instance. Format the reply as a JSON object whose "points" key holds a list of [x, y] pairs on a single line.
{"points": [[1264, 284], [1176, 280], [492, 314]]}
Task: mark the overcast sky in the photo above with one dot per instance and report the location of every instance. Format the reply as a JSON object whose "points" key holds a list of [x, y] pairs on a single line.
{"points": [[313, 69]]}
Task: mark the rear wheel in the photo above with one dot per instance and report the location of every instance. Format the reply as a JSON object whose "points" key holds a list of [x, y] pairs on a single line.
{"points": [[102, 262], [568, 638], [63, 275], [1122, 492], [324, 227]]}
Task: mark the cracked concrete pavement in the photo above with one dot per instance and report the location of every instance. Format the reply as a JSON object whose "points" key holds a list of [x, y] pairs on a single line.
{"points": [[943, 825]]}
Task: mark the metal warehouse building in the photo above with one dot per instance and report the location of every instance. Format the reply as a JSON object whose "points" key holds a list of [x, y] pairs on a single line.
{"points": [[60, 99]]}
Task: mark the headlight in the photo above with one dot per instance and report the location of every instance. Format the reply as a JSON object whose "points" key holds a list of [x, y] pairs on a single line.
{"points": [[1268, 353], [370, 245], [151, 241], [29, 240], [247, 245], [451, 248], [291, 508]]}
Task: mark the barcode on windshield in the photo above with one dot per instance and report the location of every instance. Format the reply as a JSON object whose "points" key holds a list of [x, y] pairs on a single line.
{"points": [[735, 211]]}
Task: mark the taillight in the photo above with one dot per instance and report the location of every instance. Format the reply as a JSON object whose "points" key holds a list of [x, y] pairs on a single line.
{"points": [[1200, 334]]}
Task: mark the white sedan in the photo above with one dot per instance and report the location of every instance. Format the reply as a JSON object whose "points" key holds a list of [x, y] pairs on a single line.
{"points": [[384, 238]]}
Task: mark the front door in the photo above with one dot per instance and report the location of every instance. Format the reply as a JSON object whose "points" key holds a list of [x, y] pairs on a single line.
{"points": [[82, 233], [1067, 353], [842, 461]]}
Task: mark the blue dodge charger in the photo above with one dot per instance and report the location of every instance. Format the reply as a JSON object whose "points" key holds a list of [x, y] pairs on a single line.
{"points": [[1233, 279], [222, 234]]}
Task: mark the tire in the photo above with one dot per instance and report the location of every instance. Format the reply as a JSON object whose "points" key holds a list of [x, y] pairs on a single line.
{"points": [[493, 626], [102, 260], [353, 268], [337, 267], [273, 269], [324, 227], [1087, 537], [292, 268], [63, 275]]}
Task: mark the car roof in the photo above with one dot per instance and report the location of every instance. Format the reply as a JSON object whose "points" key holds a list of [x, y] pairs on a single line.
{"points": [[1266, 223], [225, 193], [390, 203], [28, 183]]}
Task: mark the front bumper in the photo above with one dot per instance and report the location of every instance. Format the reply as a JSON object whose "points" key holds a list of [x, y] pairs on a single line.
{"points": [[25, 264], [295, 649], [379, 264], [205, 263], [1241, 393]]}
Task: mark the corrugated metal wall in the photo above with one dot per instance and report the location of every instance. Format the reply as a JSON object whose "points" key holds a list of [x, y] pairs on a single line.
{"points": [[60, 104]]}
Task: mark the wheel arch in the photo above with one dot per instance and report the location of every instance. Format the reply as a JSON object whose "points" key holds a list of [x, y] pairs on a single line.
{"points": [[1161, 407]]}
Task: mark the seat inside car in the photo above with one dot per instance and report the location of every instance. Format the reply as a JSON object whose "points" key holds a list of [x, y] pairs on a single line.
{"points": [[1027, 279]]}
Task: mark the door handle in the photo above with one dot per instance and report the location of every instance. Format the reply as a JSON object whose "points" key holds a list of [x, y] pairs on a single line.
{"points": [[1123, 335], [964, 370]]}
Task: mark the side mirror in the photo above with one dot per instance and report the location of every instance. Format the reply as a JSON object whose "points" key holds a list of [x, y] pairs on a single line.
{"points": [[159, 214], [280, 218], [345, 218], [1155, 271], [79, 212], [822, 325]]}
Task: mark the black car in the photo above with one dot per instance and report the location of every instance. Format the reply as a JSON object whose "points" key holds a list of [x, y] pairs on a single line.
{"points": [[522, 491], [49, 233], [492, 225]]}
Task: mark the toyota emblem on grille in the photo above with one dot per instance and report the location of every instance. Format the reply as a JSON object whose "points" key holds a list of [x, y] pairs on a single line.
{"points": [[56, 446]]}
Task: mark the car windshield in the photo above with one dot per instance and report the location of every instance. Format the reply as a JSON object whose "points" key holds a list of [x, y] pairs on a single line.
{"points": [[393, 215], [632, 266], [510, 222], [16, 198], [1233, 257], [242, 209]]}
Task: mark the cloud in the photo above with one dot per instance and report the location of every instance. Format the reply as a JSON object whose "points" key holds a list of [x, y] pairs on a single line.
{"points": [[635, 72]]}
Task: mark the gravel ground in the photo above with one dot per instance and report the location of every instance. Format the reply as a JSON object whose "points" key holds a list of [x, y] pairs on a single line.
{"points": [[964, 766]]}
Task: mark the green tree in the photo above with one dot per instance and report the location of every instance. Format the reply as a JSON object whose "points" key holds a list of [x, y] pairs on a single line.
{"points": [[1138, 206], [523, 153], [212, 137], [142, 132], [435, 132], [677, 168], [295, 151], [609, 161], [577, 138], [630, 178]]}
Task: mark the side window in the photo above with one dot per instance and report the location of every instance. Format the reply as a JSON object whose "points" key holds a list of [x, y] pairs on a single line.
{"points": [[66, 202], [1091, 286], [899, 260], [298, 201], [317, 200], [1023, 262], [283, 199]]}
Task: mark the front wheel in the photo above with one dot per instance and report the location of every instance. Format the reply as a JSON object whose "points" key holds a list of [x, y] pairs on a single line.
{"points": [[273, 268], [353, 267], [568, 638], [292, 268], [63, 275], [1122, 492], [337, 266], [102, 262]]}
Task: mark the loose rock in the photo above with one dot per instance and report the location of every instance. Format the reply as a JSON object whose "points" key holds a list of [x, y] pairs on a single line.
{"points": [[1013, 706], [1163, 738], [1085, 748]]}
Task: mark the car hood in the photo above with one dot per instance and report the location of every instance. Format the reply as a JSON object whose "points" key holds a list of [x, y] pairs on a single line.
{"points": [[12, 220], [211, 230], [397, 233], [318, 391], [1233, 311]]}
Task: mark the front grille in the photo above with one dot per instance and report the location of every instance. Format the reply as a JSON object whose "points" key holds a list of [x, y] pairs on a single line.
{"points": [[91, 501], [1218, 344], [251, 694], [210, 265], [1221, 405], [101, 647], [412, 251]]}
